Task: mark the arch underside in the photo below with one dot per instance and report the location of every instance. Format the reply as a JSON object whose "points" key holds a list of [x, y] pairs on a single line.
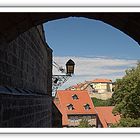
{"points": [[13, 24]]}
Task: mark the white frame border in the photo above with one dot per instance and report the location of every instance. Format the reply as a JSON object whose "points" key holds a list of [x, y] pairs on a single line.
{"points": [[70, 130]]}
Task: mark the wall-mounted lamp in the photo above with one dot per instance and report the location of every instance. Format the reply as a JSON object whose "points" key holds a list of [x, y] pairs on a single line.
{"points": [[70, 67], [58, 80]]}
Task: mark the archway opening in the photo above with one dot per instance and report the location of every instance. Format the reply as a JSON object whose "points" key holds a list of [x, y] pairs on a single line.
{"points": [[101, 53], [99, 50], [26, 68]]}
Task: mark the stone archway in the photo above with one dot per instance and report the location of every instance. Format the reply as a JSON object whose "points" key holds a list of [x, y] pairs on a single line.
{"points": [[26, 66], [13, 24]]}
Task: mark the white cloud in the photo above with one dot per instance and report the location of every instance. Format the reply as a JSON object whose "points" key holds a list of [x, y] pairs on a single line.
{"points": [[91, 68]]}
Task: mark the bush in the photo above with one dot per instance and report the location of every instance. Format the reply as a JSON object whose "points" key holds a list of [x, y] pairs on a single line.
{"points": [[84, 123], [127, 122]]}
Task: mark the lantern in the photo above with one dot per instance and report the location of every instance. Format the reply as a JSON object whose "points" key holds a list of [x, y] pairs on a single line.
{"points": [[70, 67]]}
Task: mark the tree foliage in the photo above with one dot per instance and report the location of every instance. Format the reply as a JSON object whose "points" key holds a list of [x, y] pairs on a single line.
{"points": [[84, 123], [127, 122], [126, 97]]}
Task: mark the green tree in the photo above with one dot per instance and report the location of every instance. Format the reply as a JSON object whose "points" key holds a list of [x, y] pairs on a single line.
{"points": [[126, 97], [127, 122], [84, 123]]}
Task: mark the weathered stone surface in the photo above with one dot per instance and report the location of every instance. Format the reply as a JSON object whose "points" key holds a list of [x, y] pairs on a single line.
{"points": [[13, 24], [26, 63], [25, 111]]}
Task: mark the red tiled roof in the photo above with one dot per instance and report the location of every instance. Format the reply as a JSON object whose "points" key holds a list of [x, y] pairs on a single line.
{"points": [[80, 85], [102, 81], [106, 116], [65, 98]]}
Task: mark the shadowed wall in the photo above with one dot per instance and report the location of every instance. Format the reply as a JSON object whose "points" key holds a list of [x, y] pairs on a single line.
{"points": [[25, 81]]}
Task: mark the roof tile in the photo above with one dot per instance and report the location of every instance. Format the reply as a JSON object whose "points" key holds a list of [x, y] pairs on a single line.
{"points": [[102, 81], [106, 116], [65, 98]]}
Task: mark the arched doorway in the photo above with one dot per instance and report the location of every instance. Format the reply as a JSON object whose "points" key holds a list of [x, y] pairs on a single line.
{"points": [[11, 30]]}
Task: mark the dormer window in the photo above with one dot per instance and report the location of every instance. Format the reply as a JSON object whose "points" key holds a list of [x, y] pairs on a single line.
{"points": [[75, 97], [87, 106], [70, 107]]}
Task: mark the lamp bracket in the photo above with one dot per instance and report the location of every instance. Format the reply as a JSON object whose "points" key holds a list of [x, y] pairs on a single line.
{"points": [[58, 80]]}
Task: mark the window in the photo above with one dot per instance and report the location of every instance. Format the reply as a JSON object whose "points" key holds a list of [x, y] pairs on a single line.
{"points": [[75, 97], [87, 106], [109, 125], [70, 107]]}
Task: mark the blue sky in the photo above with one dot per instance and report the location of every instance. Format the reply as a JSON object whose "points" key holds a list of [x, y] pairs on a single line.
{"points": [[86, 37], [99, 50]]}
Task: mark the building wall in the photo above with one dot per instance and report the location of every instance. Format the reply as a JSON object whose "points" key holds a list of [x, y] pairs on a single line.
{"points": [[26, 63], [21, 110], [98, 123], [110, 87], [102, 96], [74, 120], [102, 87], [56, 117]]}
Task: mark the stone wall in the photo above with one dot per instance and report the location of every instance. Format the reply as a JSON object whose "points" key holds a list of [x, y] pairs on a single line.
{"points": [[26, 62], [25, 110], [26, 76], [102, 96]]}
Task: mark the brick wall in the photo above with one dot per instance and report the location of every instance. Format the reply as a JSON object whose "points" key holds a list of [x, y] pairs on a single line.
{"points": [[26, 64], [19, 110]]}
